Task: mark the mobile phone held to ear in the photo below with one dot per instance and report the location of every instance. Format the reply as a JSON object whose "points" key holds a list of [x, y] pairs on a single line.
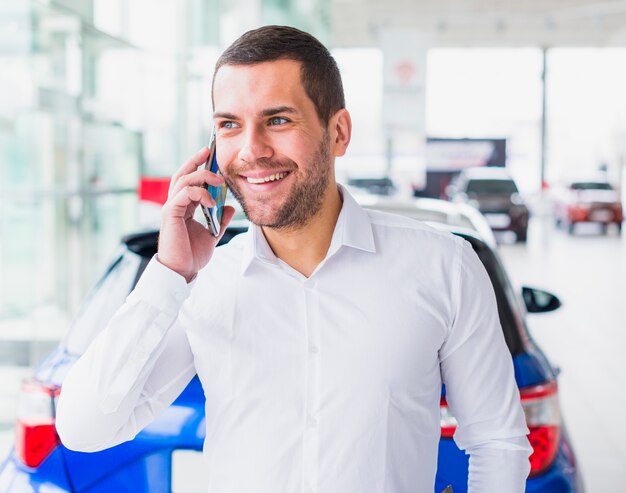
{"points": [[214, 214]]}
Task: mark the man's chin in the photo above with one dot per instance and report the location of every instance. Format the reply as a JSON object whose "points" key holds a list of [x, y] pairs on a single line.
{"points": [[257, 213], [264, 218], [273, 220]]}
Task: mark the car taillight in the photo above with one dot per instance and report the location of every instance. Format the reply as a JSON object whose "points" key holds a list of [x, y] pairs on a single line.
{"points": [[35, 432], [543, 418], [578, 212], [448, 421]]}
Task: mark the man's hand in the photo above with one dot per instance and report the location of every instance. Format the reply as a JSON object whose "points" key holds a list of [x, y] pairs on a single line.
{"points": [[185, 245]]}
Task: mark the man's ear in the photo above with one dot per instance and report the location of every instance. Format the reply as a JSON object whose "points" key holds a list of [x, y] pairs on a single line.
{"points": [[340, 127]]}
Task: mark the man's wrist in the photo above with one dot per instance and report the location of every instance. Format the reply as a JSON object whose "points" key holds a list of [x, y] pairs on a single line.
{"points": [[189, 277], [162, 287]]}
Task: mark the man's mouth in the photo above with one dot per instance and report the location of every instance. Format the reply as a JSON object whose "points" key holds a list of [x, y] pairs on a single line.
{"points": [[267, 179]]}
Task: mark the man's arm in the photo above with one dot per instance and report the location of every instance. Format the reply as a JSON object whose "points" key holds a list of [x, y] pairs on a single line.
{"points": [[139, 364], [132, 371], [477, 369], [499, 465]]}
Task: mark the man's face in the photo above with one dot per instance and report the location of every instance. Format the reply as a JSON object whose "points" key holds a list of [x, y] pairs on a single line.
{"points": [[272, 148]]}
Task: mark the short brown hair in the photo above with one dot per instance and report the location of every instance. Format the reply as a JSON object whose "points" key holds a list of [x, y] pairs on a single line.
{"points": [[319, 72]]}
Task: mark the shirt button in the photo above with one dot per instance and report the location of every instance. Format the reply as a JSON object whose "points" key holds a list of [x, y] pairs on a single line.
{"points": [[314, 349], [312, 422]]}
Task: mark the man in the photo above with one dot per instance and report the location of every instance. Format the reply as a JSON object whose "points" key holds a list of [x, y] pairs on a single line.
{"points": [[322, 336]]}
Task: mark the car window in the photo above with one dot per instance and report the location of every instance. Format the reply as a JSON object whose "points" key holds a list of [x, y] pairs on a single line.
{"points": [[103, 300], [491, 187], [591, 186], [115, 285]]}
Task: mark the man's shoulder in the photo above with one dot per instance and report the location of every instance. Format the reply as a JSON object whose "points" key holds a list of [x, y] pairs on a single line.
{"points": [[395, 226]]}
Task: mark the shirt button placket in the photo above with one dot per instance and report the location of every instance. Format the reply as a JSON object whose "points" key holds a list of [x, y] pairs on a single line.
{"points": [[312, 398]]}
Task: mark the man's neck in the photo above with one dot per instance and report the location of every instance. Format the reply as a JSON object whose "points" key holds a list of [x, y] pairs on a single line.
{"points": [[304, 248]]}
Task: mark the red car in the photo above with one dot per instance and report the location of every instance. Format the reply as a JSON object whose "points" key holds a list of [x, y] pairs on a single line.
{"points": [[588, 201]]}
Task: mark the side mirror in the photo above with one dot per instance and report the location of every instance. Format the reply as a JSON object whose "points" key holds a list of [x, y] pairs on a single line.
{"points": [[539, 301]]}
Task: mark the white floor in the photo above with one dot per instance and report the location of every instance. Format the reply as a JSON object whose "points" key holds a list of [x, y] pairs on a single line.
{"points": [[586, 338]]}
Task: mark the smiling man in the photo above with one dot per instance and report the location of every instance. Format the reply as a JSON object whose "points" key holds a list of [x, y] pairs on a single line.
{"points": [[323, 335]]}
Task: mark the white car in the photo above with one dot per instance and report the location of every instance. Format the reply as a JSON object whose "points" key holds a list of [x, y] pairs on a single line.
{"points": [[432, 211]]}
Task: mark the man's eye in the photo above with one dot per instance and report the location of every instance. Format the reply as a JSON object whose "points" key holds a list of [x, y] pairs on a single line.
{"points": [[226, 124], [278, 120]]}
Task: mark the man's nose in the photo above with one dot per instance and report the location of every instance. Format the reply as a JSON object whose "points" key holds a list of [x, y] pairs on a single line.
{"points": [[255, 145]]}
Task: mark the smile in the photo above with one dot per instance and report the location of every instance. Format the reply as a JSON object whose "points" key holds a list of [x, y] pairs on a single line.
{"points": [[267, 179]]}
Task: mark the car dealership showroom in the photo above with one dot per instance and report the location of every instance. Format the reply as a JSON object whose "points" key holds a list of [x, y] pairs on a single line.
{"points": [[498, 122]]}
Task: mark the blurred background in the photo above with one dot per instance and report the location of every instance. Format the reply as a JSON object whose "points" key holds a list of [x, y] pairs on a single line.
{"points": [[98, 95]]}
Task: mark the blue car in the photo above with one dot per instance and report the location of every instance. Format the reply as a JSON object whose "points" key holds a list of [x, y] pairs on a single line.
{"points": [[38, 461]]}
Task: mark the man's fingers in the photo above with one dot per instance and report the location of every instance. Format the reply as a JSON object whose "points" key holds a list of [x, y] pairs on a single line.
{"points": [[227, 214], [189, 195], [198, 178], [190, 165]]}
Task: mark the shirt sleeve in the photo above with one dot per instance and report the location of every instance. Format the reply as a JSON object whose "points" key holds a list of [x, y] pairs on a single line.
{"points": [[132, 371], [499, 466], [481, 391]]}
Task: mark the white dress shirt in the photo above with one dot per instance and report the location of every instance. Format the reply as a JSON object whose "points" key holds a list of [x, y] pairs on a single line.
{"points": [[326, 384]]}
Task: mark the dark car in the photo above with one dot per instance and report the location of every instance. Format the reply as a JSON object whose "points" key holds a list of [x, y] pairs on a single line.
{"points": [[588, 202], [376, 186], [152, 462], [494, 193]]}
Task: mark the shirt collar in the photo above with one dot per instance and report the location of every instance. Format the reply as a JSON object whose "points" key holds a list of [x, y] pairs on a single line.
{"points": [[353, 229]]}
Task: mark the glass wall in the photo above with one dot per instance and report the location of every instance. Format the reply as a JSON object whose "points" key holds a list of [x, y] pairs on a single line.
{"points": [[75, 121], [93, 95], [587, 114]]}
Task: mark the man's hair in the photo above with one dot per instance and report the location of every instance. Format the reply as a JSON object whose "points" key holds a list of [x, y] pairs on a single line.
{"points": [[319, 72]]}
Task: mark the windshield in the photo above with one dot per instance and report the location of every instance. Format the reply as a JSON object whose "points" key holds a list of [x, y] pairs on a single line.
{"points": [[588, 185], [491, 187]]}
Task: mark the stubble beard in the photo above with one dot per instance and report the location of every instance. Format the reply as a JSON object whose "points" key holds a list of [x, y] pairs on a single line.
{"points": [[304, 199]]}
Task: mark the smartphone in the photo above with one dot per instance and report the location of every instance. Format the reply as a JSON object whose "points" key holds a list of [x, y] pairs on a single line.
{"points": [[213, 215]]}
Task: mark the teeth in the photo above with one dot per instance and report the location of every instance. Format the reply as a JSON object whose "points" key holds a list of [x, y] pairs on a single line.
{"points": [[277, 176]]}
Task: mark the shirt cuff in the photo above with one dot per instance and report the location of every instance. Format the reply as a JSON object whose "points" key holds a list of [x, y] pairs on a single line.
{"points": [[161, 287]]}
